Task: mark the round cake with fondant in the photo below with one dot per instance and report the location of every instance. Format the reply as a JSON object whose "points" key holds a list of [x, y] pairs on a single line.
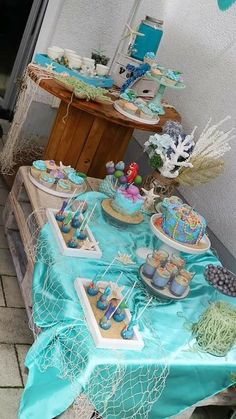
{"points": [[127, 201], [182, 223]]}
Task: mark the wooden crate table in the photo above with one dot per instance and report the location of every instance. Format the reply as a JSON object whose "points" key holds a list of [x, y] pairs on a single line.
{"points": [[24, 199], [86, 135]]}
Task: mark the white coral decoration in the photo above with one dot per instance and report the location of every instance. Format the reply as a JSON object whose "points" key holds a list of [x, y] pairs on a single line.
{"points": [[180, 150], [212, 142], [125, 259]]}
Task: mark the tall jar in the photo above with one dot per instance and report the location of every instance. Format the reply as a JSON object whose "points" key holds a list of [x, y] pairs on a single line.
{"points": [[153, 30]]}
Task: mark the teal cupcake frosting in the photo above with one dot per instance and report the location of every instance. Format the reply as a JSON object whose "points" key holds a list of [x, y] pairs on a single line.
{"points": [[63, 184], [39, 165], [47, 178], [68, 170], [78, 180]]}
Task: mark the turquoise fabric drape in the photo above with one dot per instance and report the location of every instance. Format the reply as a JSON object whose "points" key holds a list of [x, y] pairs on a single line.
{"points": [[192, 376]]}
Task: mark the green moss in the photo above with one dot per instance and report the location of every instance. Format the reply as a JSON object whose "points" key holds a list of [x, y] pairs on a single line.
{"points": [[156, 161]]}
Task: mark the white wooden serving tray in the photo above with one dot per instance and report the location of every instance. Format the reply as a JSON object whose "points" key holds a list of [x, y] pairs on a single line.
{"points": [[135, 344], [67, 251]]}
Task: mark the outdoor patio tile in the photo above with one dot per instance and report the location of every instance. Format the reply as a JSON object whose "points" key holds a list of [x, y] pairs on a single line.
{"points": [[2, 301], [9, 402], [3, 240], [22, 351], [6, 263], [2, 183], [14, 326], [9, 370], [12, 291], [1, 211], [3, 195]]}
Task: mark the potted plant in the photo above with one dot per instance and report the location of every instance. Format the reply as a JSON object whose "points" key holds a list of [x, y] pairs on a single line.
{"points": [[99, 56]]}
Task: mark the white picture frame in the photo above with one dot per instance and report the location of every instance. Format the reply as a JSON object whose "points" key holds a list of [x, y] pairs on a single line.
{"points": [[64, 249]]}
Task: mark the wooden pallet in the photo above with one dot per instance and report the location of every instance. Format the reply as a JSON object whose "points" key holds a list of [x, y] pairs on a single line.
{"points": [[23, 200]]}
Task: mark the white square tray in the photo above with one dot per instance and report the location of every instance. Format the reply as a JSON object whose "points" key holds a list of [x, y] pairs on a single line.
{"points": [[81, 253], [135, 344]]}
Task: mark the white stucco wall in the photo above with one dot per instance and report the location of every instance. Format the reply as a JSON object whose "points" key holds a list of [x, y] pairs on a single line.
{"points": [[201, 41]]}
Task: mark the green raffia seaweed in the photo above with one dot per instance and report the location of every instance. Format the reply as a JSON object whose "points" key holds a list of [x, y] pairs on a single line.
{"points": [[215, 331], [91, 92]]}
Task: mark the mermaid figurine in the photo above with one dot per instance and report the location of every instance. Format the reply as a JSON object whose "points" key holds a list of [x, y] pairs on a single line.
{"points": [[102, 303], [105, 322]]}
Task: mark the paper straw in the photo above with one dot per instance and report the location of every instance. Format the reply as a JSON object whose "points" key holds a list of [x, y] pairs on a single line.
{"points": [[109, 266], [130, 292], [118, 305], [127, 295], [72, 196], [144, 308], [120, 276], [90, 216]]}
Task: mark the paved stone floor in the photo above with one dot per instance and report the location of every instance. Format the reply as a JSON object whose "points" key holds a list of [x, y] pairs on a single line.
{"points": [[15, 336]]}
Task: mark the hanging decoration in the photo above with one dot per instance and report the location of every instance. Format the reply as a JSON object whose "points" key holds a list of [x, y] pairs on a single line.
{"points": [[225, 4]]}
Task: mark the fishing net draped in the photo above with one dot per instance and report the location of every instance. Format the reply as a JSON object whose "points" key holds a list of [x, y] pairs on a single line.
{"points": [[113, 383], [19, 148]]}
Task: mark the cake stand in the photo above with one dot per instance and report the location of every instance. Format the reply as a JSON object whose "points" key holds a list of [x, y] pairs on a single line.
{"points": [[170, 245], [161, 90], [53, 191], [117, 219], [164, 293], [118, 108], [173, 246]]}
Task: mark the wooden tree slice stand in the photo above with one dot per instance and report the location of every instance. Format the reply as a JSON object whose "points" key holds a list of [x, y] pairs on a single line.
{"points": [[163, 186]]}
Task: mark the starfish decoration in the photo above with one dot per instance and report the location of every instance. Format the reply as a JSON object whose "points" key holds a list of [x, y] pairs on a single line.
{"points": [[150, 197], [50, 67], [125, 259], [64, 167], [88, 245], [132, 33], [115, 289]]}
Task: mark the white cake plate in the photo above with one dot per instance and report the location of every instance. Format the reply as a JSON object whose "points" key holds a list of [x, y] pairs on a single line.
{"points": [[172, 246], [52, 191], [118, 108], [168, 244]]}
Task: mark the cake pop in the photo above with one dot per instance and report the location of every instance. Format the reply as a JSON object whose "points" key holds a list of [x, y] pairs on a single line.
{"points": [[105, 322], [102, 303], [92, 289], [60, 215]]}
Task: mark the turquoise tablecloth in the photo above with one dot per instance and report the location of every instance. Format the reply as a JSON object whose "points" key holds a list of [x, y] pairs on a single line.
{"points": [[192, 376]]}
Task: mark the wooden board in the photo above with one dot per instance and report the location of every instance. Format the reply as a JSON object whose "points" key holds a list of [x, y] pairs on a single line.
{"points": [[109, 339], [63, 238]]}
